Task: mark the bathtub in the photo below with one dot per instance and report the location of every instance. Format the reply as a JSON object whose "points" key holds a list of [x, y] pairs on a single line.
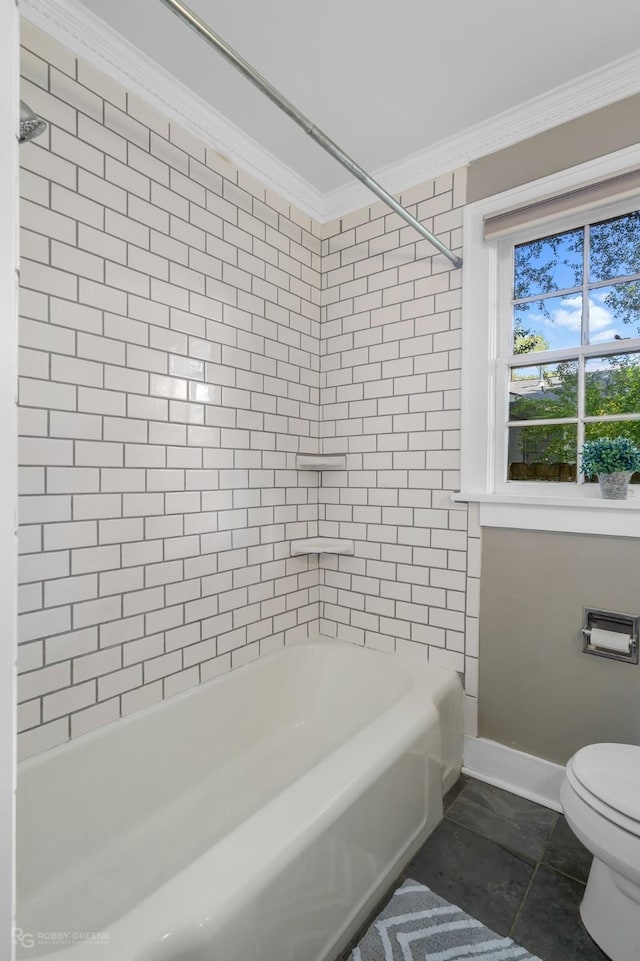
{"points": [[255, 818]]}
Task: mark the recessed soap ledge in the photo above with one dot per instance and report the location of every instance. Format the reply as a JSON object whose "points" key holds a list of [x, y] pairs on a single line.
{"points": [[321, 461], [322, 545]]}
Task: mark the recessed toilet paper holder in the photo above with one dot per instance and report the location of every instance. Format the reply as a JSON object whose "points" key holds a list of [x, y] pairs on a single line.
{"points": [[623, 630]]}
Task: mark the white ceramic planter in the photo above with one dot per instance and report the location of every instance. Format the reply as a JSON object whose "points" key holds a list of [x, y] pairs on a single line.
{"points": [[615, 486]]}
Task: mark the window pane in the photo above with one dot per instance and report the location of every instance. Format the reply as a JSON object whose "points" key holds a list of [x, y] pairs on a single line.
{"points": [[549, 391], [543, 453], [552, 263], [612, 385], [615, 248], [547, 324], [624, 428], [614, 312]]}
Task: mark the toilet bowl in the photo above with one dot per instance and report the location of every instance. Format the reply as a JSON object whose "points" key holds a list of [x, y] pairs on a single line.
{"points": [[600, 796]]}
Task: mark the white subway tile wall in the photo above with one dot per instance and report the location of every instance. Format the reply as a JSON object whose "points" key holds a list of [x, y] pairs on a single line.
{"points": [[390, 401], [174, 360], [169, 331]]}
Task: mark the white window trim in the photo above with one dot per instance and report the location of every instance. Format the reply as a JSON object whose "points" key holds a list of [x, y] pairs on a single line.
{"points": [[576, 510]]}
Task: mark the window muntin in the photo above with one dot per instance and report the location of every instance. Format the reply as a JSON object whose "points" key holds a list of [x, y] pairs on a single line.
{"points": [[572, 373]]}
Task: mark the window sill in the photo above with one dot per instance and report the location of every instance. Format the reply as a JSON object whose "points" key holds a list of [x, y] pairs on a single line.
{"points": [[578, 515]]}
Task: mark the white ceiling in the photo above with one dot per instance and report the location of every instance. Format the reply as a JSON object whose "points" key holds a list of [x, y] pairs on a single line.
{"points": [[383, 78]]}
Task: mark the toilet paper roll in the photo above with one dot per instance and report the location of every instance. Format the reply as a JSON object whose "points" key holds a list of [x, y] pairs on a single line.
{"points": [[610, 640]]}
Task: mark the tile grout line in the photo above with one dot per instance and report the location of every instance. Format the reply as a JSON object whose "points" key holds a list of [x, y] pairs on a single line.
{"points": [[536, 864], [523, 901], [505, 847], [552, 867]]}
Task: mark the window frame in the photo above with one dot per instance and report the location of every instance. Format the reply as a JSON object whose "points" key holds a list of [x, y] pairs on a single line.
{"points": [[505, 358], [487, 297]]}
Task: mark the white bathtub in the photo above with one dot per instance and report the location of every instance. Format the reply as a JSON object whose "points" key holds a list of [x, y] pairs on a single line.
{"points": [[255, 818]]}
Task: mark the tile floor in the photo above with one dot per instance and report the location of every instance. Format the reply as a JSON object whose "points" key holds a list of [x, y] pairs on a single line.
{"points": [[513, 865]]}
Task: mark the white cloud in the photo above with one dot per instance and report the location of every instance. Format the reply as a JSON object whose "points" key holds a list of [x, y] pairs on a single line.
{"points": [[600, 317], [568, 315]]}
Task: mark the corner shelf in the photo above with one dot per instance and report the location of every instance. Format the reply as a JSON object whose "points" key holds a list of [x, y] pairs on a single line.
{"points": [[321, 461], [322, 545]]}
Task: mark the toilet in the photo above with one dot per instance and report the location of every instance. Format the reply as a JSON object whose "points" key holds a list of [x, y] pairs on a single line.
{"points": [[600, 796]]}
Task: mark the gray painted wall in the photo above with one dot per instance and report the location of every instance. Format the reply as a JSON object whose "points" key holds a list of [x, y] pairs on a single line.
{"points": [[597, 133], [538, 692]]}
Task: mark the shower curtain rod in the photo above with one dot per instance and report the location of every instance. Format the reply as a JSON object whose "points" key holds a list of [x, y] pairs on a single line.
{"points": [[234, 58]]}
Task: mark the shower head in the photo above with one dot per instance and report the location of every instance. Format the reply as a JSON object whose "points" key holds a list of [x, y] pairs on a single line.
{"points": [[30, 125]]}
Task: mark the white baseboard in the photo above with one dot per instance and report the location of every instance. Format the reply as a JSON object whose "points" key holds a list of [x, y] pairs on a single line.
{"points": [[523, 774]]}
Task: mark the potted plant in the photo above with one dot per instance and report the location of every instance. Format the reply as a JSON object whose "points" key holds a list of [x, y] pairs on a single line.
{"points": [[613, 460]]}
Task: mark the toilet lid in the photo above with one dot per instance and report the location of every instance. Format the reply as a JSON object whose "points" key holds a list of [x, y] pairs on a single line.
{"points": [[611, 772]]}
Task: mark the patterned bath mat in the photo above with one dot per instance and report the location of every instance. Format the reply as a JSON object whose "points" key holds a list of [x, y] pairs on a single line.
{"points": [[417, 925]]}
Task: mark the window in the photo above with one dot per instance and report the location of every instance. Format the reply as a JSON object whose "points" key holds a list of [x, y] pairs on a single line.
{"points": [[569, 348], [551, 345]]}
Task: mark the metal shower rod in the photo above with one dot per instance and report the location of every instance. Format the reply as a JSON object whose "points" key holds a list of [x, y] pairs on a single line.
{"points": [[234, 58]]}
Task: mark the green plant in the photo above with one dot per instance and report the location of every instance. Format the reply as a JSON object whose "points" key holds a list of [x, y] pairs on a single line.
{"points": [[608, 455]]}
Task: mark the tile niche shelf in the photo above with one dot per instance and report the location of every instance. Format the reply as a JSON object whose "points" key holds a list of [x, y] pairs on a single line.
{"points": [[321, 461], [322, 545]]}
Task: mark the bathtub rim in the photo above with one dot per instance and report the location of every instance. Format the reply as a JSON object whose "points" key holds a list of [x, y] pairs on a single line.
{"points": [[120, 723]]}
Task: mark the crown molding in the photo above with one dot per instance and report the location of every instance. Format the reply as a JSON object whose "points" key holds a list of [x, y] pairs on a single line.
{"points": [[89, 37], [587, 93], [73, 25]]}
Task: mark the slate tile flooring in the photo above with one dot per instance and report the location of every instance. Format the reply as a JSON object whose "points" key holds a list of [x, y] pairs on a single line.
{"points": [[510, 863]]}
